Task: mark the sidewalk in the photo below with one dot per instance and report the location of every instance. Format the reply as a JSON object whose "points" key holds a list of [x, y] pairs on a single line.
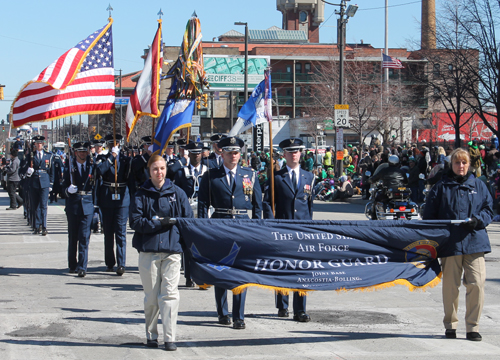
{"points": [[46, 313]]}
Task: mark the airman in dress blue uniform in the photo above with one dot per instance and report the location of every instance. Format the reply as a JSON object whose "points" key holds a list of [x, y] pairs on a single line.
{"points": [[293, 199], [114, 201], [188, 179], [215, 160], [41, 172], [175, 165], [140, 162], [78, 186], [234, 192], [58, 165]]}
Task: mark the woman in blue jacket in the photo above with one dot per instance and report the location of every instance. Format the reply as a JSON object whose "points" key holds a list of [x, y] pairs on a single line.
{"points": [[157, 240], [460, 196]]}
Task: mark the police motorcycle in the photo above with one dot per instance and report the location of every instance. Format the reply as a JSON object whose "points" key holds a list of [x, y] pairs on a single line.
{"points": [[396, 203]]}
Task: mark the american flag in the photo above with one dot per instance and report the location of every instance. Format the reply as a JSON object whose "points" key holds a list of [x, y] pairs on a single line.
{"points": [[390, 62], [81, 81]]}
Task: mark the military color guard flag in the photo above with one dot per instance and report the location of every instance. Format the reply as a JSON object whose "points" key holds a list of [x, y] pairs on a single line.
{"points": [[314, 255]]}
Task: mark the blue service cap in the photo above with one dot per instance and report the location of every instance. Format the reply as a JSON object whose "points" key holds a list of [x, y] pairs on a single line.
{"points": [[39, 138], [231, 143], [292, 144], [194, 147], [81, 146]]}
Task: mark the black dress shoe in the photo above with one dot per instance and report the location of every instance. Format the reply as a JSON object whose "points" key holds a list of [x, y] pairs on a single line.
{"points": [[283, 313], [120, 271], [238, 324], [110, 269], [81, 273], [152, 343], [72, 271], [301, 316], [450, 333], [170, 346], [36, 231], [224, 320], [11, 208], [190, 283], [44, 232], [474, 336]]}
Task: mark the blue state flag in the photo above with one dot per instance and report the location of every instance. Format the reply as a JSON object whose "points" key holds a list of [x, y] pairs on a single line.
{"points": [[253, 112], [177, 114]]}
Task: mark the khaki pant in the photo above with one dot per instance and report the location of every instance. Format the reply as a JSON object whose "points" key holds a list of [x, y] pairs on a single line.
{"points": [[160, 274], [474, 276]]}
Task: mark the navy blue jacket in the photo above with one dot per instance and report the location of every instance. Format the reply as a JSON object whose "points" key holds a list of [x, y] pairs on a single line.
{"points": [[186, 181], [222, 197], [451, 200], [43, 176], [140, 168], [149, 235], [57, 163], [288, 204], [106, 171], [78, 204]]}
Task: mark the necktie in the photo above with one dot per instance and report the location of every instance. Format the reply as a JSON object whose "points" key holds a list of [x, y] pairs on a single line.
{"points": [[231, 180], [195, 172], [294, 181]]}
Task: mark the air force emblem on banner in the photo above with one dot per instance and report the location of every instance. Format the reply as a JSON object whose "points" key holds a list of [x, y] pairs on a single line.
{"points": [[421, 252], [225, 263]]}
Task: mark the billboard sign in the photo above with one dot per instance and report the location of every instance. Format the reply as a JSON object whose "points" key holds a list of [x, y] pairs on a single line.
{"points": [[226, 72]]}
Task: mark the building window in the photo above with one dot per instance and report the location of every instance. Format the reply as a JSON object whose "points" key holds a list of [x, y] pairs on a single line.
{"points": [[307, 67], [437, 69], [298, 90], [450, 67], [298, 68], [288, 69], [303, 16], [288, 92]]}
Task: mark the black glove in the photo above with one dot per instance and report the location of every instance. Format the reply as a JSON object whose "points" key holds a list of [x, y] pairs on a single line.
{"points": [[470, 224], [167, 221]]}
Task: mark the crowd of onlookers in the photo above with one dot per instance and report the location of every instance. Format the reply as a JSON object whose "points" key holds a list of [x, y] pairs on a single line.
{"points": [[424, 165]]}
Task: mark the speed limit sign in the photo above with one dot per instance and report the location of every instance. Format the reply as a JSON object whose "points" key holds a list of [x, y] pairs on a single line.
{"points": [[342, 115]]}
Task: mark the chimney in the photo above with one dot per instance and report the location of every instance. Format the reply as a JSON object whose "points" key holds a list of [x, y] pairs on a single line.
{"points": [[428, 31]]}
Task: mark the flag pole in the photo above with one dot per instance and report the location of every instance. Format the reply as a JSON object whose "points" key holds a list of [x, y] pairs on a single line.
{"points": [[271, 180], [116, 162]]}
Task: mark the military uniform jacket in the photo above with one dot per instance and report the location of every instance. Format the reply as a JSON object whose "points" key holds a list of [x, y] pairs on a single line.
{"points": [[106, 172], [213, 161], [247, 194], [288, 203], [175, 165], [57, 163], [81, 202], [43, 175], [186, 180], [140, 168]]}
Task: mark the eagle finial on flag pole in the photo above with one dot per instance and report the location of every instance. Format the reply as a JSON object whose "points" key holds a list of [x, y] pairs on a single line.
{"points": [[109, 9], [194, 14], [160, 14]]}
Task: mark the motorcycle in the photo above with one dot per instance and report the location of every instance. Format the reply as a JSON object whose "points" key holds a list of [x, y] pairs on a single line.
{"points": [[397, 204]]}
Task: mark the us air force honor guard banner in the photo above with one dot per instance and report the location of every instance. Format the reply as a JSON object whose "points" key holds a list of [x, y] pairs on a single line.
{"points": [[314, 255]]}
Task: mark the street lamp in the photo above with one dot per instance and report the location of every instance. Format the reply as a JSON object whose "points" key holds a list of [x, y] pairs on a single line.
{"points": [[246, 58], [245, 85]]}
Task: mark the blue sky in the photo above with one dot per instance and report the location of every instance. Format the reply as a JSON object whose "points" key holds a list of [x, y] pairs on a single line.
{"points": [[35, 33]]}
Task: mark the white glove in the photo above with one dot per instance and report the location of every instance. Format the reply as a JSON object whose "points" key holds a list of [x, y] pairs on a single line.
{"points": [[50, 189], [30, 171], [115, 150], [150, 148], [72, 189]]}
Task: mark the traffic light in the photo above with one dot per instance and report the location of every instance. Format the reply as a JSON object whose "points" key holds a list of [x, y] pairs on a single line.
{"points": [[205, 100], [1, 92], [198, 102], [3, 128]]}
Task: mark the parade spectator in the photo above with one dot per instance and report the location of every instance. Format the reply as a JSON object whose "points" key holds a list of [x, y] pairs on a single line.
{"points": [[13, 179], [450, 199], [309, 161], [475, 158], [159, 246], [327, 159]]}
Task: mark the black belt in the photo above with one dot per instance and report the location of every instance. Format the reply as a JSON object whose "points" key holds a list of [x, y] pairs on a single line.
{"points": [[231, 211], [40, 171], [112, 184]]}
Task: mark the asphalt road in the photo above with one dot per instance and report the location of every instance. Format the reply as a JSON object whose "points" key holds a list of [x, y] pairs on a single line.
{"points": [[46, 313]]}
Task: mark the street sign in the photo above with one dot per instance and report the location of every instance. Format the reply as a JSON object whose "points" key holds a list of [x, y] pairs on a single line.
{"points": [[195, 131], [340, 139], [98, 137], [121, 100], [196, 120], [341, 115]]}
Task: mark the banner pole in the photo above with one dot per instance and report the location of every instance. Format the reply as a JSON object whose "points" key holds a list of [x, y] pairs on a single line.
{"points": [[271, 180], [116, 162]]}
